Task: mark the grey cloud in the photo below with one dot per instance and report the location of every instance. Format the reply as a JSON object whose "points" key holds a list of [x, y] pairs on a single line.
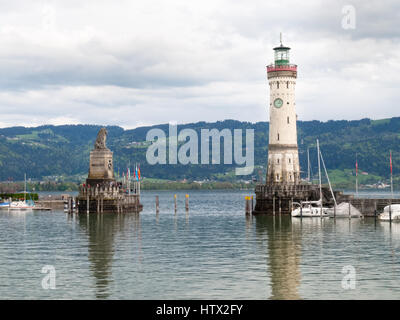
{"points": [[129, 63]]}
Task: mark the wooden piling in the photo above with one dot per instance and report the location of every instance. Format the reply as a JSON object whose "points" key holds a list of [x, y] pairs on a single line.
{"points": [[157, 204], [349, 210], [273, 205], [175, 203], [187, 202], [320, 213], [247, 205], [390, 212], [280, 207], [291, 205], [301, 211], [87, 201]]}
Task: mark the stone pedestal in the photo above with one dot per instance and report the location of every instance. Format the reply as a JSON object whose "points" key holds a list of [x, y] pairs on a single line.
{"points": [[102, 194], [101, 167]]}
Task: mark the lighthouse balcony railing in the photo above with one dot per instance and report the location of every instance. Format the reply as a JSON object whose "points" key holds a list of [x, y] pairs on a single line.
{"points": [[286, 67]]}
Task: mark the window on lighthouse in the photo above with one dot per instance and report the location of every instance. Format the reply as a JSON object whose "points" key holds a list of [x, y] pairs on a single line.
{"points": [[288, 120], [278, 136]]}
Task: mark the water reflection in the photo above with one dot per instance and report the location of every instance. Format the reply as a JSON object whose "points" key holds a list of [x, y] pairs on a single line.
{"points": [[284, 250], [102, 230]]}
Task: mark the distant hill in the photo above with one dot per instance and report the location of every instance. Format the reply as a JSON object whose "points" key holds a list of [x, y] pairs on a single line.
{"points": [[64, 150]]}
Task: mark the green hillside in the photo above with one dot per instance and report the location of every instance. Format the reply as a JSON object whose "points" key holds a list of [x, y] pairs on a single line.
{"points": [[56, 151]]}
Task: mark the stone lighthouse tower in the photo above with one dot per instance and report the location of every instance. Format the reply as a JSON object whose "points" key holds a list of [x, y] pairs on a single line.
{"points": [[283, 187], [283, 156]]}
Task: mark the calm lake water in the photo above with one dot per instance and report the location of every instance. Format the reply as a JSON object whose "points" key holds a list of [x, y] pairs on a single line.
{"points": [[213, 252]]}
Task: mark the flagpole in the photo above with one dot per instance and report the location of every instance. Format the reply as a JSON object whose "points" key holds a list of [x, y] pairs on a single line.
{"points": [[308, 165], [391, 174], [356, 176], [139, 179]]}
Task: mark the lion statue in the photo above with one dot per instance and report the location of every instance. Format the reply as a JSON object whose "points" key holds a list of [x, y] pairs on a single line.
{"points": [[101, 139]]}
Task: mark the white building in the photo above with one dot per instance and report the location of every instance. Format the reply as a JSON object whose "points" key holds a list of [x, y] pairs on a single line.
{"points": [[283, 156]]}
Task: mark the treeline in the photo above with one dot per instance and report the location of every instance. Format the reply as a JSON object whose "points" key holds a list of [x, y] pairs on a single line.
{"points": [[56, 151]]}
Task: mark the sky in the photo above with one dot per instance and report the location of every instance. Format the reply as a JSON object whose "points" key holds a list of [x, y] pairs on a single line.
{"points": [[135, 63]]}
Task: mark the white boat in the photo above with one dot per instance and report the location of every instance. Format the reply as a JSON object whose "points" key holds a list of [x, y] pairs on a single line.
{"points": [[344, 210], [314, 208], [309, 209], [4, 205], [395, 213], [20, 205]]}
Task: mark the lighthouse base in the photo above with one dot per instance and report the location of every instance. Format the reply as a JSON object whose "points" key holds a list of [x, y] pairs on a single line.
{"points": [[279, 198]]}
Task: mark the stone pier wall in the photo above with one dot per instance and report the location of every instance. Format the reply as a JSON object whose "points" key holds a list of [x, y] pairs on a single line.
{"points": [[107, 199]]}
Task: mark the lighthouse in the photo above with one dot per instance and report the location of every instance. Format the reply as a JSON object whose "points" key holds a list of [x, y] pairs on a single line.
{"points": [[283, 187], [283, 155]]}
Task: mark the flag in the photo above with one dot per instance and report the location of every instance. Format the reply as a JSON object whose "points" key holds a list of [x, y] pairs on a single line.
{"points": [[139, 173], [137, 176], [356, 168], [391, 169], [134, 175]]}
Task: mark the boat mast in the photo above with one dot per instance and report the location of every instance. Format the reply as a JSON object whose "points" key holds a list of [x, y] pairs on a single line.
{"points": [[308, 164], [391, 174], [327, 177], [24, 187], [319, 172], [356, 176]]}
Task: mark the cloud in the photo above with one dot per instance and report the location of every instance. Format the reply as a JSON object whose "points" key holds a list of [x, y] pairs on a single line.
{"points": [[132, 62]]}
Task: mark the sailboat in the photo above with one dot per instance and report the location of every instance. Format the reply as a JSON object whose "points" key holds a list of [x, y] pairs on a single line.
{"points": [[312, 208], [22, 205], [309, 209]]}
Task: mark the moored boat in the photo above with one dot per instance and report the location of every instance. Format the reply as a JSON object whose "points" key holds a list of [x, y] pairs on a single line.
{"points": [[390, 212], [21, 205], [309, 209]]}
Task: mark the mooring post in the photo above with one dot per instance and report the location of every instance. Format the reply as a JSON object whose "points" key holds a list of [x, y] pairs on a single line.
{"points": [[87, 202], [291, 205], [187, 202], [320, 207], [349, 210], [280, 208], [157, 205], [390, 211], [375, 210], [334, 211], [175, 202], [252, 204], [273, 205], [301, 210], [98, 204]]}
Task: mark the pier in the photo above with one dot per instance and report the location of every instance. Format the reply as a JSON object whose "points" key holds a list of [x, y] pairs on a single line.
{"points": [[278, 199], [102, 193]]}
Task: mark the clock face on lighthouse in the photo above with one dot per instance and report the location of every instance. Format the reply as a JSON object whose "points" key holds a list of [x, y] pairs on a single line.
{"points": [[278, 102]]}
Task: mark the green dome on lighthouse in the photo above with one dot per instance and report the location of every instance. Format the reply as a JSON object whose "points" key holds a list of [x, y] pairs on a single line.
{"points": [[281, 54]]}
